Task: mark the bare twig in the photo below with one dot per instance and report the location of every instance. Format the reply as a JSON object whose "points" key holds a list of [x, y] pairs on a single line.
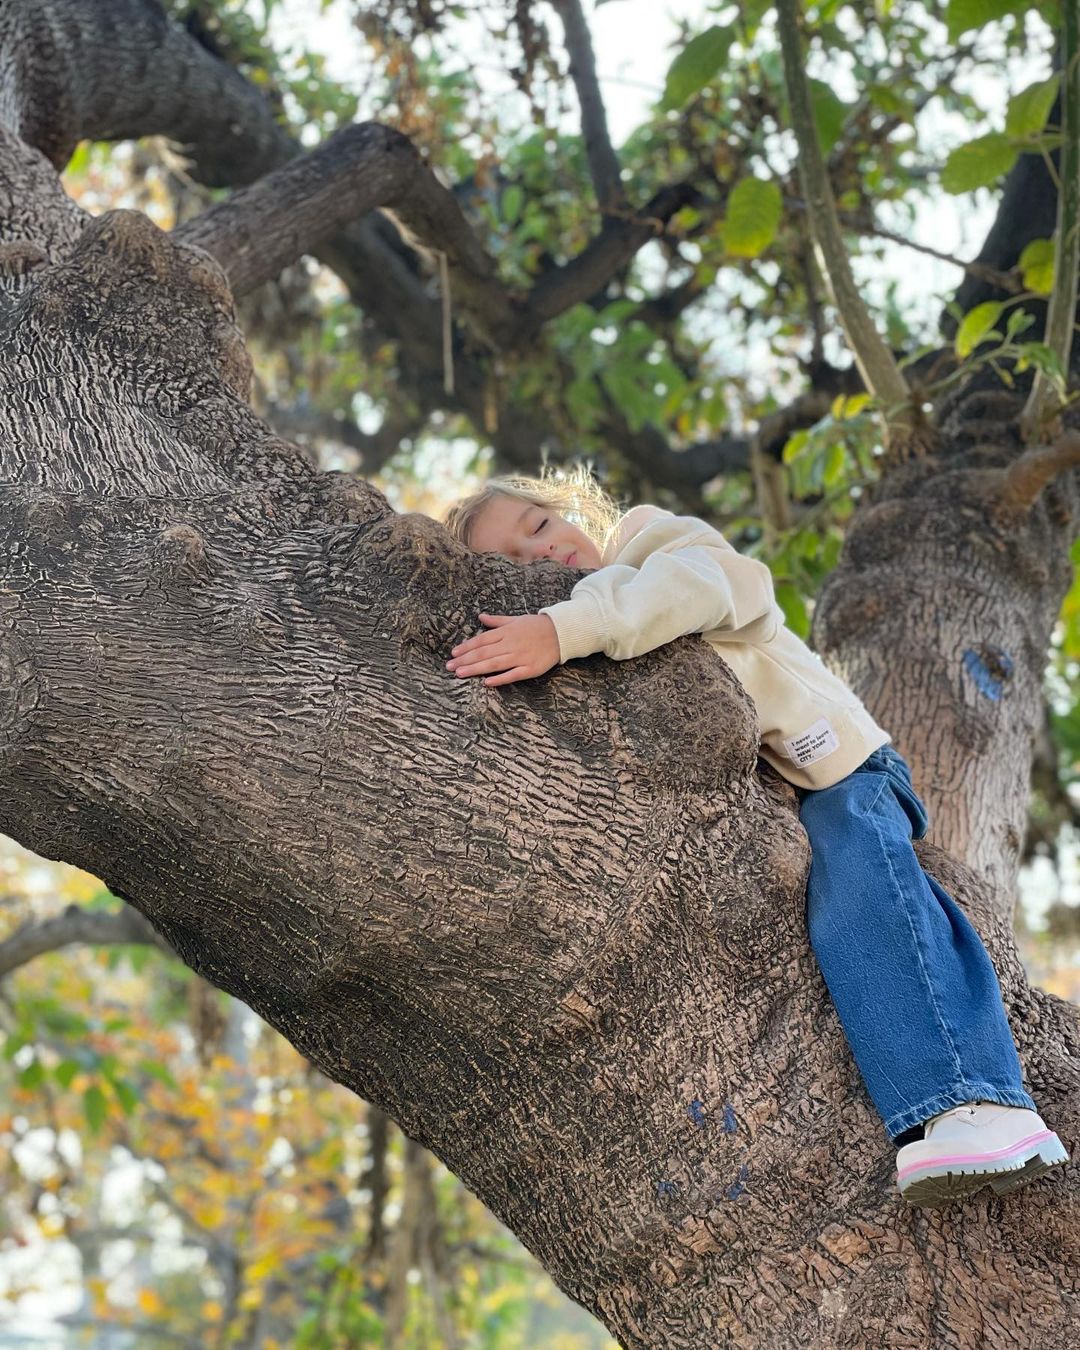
{"points": [[1005, 281]]}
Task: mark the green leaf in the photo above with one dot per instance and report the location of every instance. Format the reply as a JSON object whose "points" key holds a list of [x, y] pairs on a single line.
{"points": [[846, 406], [794, 607], [752, 12], [1043, 358], [15, 1043], [835, 464], [512, 201], [94, 1108], [889, 101], [158, 1071], [977, 327], [753, 217], [979, 163], [1037, 266], [1029, 109], [80, 159], [33, 1075], [627, 386], [1019, 321], [127, 1096], [964, 14], [698, 62], [65, 1071], [830, 113], [795, 444]]}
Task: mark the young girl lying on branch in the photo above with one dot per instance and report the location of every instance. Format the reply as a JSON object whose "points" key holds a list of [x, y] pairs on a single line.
{"points": [[915, 990]]}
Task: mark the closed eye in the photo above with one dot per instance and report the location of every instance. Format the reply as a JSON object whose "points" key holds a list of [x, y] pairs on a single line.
{"points": [[541, 525]]}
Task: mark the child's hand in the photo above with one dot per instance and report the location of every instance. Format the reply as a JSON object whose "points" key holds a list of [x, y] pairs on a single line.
{"points": [[519, 648]]}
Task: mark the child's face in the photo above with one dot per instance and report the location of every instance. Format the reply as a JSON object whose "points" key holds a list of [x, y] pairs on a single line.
{"points": [[526, 533]]}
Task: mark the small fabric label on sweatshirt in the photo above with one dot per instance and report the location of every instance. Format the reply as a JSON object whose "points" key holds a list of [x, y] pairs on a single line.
{"points": [[813, 744]]}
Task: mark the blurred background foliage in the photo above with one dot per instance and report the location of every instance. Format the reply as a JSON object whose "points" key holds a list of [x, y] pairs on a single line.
{"points": [[172, 1171]]}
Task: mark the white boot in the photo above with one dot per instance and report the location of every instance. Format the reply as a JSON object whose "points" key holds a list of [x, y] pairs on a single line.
{"points": [[975, 1145]]}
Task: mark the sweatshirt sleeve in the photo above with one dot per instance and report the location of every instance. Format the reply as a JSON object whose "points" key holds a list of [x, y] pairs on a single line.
{"points": [[673, 577]]}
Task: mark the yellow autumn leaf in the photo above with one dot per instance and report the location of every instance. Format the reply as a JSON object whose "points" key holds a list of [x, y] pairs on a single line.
{"points": [[150, 1302], [211, 1310], [266, 1265], [498, 1298]]}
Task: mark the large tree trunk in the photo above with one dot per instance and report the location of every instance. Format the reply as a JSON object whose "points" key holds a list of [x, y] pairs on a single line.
{"points": [[940, 615], [555, 930]]}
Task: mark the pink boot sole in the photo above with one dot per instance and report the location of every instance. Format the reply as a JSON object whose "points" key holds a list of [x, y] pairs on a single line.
{"points": [[937, 1181]]}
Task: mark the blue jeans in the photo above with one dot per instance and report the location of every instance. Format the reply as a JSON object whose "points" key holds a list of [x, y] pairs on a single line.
{"points": [[915, 990]]}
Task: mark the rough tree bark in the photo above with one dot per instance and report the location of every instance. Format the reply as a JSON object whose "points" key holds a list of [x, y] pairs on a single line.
{"points": [[556, 930]]}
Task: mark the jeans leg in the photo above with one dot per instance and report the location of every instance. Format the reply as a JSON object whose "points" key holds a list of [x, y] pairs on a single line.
{"points": [[915, 990]]}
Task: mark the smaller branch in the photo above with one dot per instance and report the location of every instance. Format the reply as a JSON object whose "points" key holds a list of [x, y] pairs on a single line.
{"points": [[374, 448], [222, 1250], [376, 1180], [260, 229], [1061, 316], [771, 490], [603, 162], [814, 306], [447, 325], [664, 309], [593, 268], [857, 224], [1023, 482], [77, 925], [882, 375], [1005, 281]]}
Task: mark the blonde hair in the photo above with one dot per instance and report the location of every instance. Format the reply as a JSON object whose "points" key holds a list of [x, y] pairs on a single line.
{"points": [[573, 493]]}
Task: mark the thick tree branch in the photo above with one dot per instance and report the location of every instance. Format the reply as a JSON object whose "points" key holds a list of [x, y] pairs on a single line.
{"points": [[600, 153], [260, 229], [76, 925], [39, 222], [123, 70]]}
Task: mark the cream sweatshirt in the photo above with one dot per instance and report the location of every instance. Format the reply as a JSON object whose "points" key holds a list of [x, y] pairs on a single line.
{"points": [[664, 576]]}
